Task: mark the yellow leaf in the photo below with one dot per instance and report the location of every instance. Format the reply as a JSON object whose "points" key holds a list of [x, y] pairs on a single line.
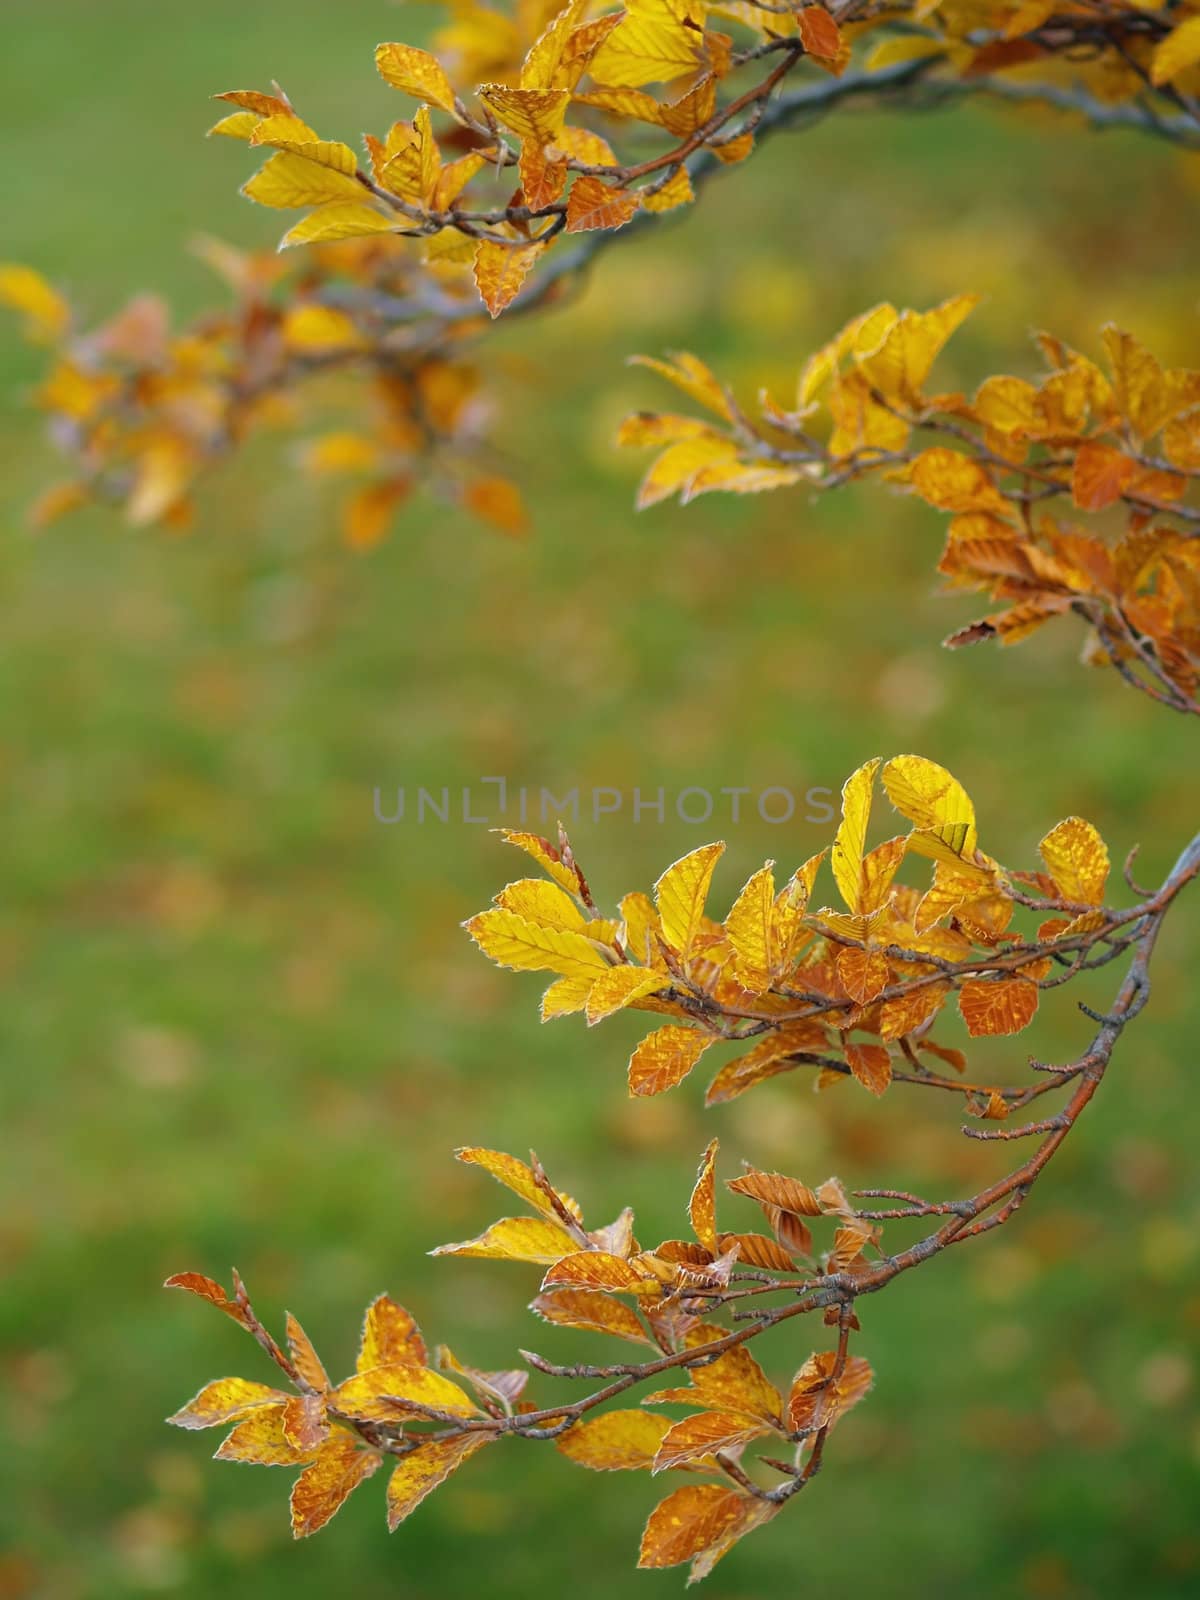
{"points": [[702, 1207], [597, 1269], [383, 1393], [546, 856], [1144, 393], [340, 452], [238, 125], [390, 1337], [680, 895], [47, 315], [304, 1357], [320, 330], [749, 927], [621, 987], [656, 41], [336, 222], [689, 373], [226, 1400], [900, 365], [768, 1058], [514, 1175], [676, 468], [677, 191], [323, 1487], [516, 1239], [533, 114], [543, 902], [936, 804], [500, 270], [415, 72], [951, 481], [1178, 51], [616, 1441], [524, 946], [850, 841], [1077, 859], [425, 1468], [260, 1441], [541, 66], [565, 996], [289, 180], [331, 153]]}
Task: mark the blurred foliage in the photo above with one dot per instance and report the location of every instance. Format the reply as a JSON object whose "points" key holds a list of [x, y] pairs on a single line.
{"points": [[241, 1022]]}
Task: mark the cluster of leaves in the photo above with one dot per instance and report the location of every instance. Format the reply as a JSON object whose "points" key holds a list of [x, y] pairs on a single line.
{"points": [[1121, 445], [854, 991], [411, 243], [142, 411], [398, 1404]]}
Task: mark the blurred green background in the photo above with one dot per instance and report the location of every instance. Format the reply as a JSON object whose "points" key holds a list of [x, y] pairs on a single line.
{"points": [[240, 1021]]}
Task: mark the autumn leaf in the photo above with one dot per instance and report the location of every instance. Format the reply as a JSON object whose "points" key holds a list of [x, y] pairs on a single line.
{"points": [[871, 1065], [680, 895], [704, 1434], [387, 1392], [615, 1441], [516, 1239], [500, 270], [850, 841], [664, 1058], [415, 72], [512, 941], [591, 1309], [47, 314], [1077, 859], [338, 221], [390, 1337], [260, 1441], [699, 1523], [323, 1488], [424, 1469], [593, 203], [997, 1006], [820, 1395], [621, 987], [702, 1206], [226, 1400]]}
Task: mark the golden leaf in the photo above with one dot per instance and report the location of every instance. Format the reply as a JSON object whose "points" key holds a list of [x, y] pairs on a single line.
{"points": [[516, 1239], [1076, 858], [339, 221], [817, 1399], [615, 1441], [597, 1269], [593, 203], [367, 515], [1176, 53], [383, 1393], [936, 804], [677, 191], [511, 941], [704, 1434], [698, 1519], [225, 1400], [500, 270], [850, 841], [689, 373], [320, 330], [425, 1468], [518, 1177], [416, 73], [304, 1358], [901, 363], [664, 1058], [656, 41], [773, 1189], [47, 315], [260, 1441], [322, 1488], [1002, 1005], [702, 1209], [621, 987], [390, 1337], [291, 181], [680, 895]]}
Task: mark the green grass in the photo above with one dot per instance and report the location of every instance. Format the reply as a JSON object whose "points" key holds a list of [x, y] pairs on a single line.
{"points": [[241, 1022]]}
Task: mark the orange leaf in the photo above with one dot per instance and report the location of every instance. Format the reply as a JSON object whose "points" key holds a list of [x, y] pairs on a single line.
{"points": [[593, 203], [1101, 476], [664, 1058], [425, 1468], [864, 973], [322, 1488], [871, 1065], [1003, 1005], [702, 1207], [819, 33], [701, 1520], [390, 1337]]}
